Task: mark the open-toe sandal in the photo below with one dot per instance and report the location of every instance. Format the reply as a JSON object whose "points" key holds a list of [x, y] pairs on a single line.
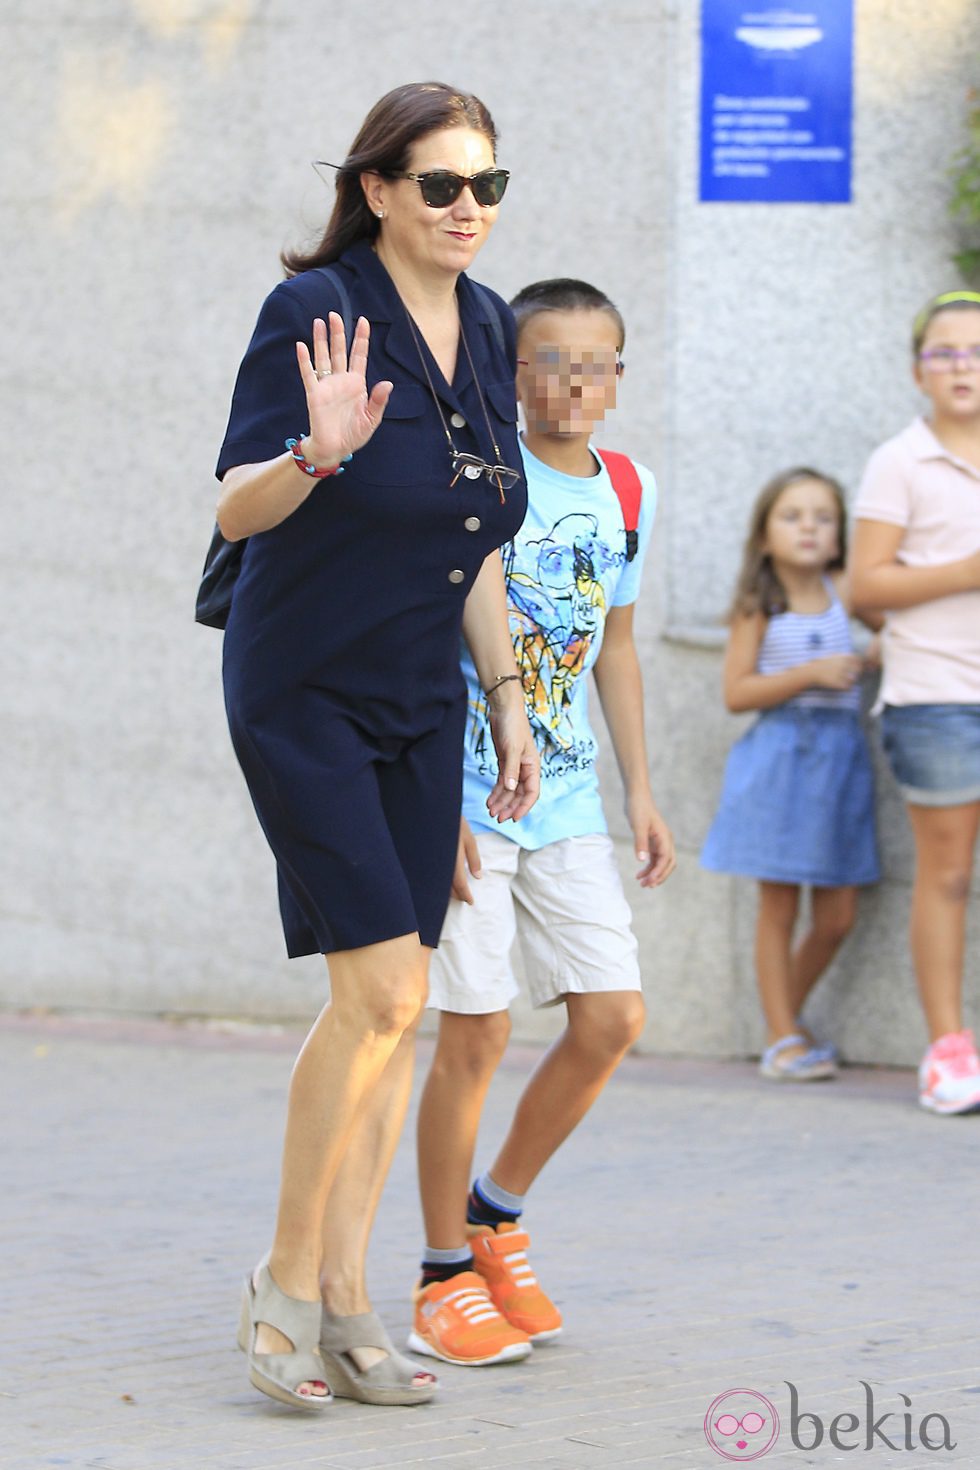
{"points": [[391, 1380], [812, 1065], [280, 1374]]}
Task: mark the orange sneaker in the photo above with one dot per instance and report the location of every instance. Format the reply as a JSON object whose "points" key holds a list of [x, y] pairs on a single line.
{"points": [[500, 1257], [456, 1321]]}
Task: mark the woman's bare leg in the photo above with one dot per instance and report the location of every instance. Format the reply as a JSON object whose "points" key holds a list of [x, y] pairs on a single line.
{"points": [[945, 839], [377, 993], [353, 1200]]}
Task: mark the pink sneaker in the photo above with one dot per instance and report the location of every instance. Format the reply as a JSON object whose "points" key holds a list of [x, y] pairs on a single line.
{"points": [[949, 1077]]}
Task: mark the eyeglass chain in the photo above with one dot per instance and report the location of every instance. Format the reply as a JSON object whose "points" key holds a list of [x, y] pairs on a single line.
{"points": [[435, 397]]}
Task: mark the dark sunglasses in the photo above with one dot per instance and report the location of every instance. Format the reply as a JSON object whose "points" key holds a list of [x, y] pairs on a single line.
{"points": [[441, 188]]}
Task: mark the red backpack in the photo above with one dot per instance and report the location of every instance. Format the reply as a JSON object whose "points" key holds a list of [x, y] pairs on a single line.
{"points": [[626, 483]]}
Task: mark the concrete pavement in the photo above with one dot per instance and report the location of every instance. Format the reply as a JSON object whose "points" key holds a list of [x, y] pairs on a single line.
{"points": [[704, 1231]]}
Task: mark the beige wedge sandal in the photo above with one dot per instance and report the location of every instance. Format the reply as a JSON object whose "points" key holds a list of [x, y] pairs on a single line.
{"points": [[388, 1381], [280, 1374]]}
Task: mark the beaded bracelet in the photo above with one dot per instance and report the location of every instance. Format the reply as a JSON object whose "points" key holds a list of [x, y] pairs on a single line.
{"points": [[502, 679], [310, 469]]}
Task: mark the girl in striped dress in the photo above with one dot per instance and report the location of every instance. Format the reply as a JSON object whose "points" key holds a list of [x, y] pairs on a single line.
{"points": [[797, 806]]}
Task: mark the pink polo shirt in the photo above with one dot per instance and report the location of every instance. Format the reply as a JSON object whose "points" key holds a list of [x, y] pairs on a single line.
{"points": [[931, 653]]}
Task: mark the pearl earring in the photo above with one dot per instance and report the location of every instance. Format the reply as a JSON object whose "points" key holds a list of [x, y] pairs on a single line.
{"points": [[380, 213]]}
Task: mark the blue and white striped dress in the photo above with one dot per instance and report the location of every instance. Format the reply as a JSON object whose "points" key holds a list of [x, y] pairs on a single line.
{"points": [[797, 803]]}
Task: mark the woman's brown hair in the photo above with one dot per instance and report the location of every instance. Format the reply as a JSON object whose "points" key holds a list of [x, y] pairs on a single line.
{"points": [[383, 146], [758, 589]]}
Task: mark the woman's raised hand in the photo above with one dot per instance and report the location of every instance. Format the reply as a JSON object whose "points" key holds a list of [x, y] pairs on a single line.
{"points": [[342, 416]]}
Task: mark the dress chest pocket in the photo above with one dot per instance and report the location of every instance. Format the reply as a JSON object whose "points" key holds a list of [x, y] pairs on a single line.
{"points": [[503, 401], [408, 447]]}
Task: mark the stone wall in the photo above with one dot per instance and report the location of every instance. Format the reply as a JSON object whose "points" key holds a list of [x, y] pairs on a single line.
{"points": [[159, 158]]}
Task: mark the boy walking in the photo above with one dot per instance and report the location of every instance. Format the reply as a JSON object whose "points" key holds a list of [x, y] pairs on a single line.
{"points": [[573, 574]]}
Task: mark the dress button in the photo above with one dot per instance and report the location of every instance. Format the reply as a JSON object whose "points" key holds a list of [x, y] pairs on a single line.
{"points": [[456, 576], [472, 472], [457, 421], [472, 523]]}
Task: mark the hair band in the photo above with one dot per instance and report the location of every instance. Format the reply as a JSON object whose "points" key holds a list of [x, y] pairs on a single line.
{"points": [[948, 298]]}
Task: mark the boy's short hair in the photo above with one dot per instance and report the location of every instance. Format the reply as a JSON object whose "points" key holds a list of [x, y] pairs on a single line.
{"points": [[564, 294]]}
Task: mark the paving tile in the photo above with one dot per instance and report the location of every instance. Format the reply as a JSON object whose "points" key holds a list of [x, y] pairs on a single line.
{"points": [[701, 1231]]}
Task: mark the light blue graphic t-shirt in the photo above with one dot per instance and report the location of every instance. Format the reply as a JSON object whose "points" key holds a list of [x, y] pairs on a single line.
{"points": [[565, 568]]}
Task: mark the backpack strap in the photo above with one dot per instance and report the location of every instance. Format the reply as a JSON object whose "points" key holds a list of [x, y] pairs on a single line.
{"points": [[346, 311], [490, 306], [629, 492], [481, 293]]}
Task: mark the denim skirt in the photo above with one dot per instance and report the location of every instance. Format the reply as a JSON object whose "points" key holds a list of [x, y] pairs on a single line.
{"points": [[797, 803]]}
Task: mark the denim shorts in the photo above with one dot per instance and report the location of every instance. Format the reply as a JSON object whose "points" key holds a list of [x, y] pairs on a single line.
{"points": [[934, 751]]}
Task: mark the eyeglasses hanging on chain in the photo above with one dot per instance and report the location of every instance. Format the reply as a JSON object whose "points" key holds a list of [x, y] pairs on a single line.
{"points": [[469, 465]]}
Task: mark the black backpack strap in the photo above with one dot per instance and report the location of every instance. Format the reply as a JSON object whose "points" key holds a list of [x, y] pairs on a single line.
{"points": [[490, 306], [346, 311]]}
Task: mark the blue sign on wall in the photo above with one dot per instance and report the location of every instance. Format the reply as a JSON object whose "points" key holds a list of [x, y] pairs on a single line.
{"points": [[776, 88]]}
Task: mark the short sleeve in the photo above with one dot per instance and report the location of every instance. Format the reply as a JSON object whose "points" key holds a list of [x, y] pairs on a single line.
{"points": [[628, 586], [885, 492], [268, 405]]}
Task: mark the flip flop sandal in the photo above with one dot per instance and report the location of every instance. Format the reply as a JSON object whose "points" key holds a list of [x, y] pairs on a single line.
{"points": [[389, 1381], [280, 1374]]}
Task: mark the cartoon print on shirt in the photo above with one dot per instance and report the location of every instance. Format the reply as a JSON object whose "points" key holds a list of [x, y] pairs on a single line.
{"points": [[557, 606]]}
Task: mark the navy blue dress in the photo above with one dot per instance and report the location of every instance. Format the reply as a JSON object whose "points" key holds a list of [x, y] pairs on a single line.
{"points": [[342, 678]]}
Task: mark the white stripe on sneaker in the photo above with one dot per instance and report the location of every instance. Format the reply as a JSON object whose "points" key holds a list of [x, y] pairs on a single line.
{"points": [[476, 1306], [521, 1268]]}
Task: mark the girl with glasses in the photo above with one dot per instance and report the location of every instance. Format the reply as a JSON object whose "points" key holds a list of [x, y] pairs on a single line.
{"points": [[916, 558], [374, 479]]}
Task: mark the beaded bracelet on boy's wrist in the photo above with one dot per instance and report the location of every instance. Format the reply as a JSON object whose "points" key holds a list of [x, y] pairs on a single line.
{"points": [[501, 679], [310, 469]]}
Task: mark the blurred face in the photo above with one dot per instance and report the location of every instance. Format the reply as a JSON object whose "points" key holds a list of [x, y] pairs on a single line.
{"points": [[948, 366], [803, 526], [567, 370], [426, 240]]}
